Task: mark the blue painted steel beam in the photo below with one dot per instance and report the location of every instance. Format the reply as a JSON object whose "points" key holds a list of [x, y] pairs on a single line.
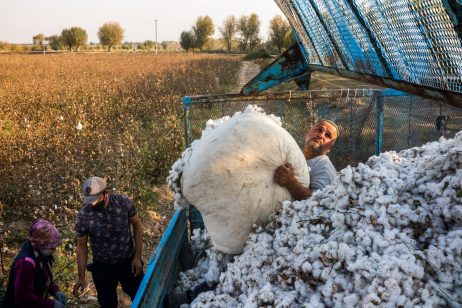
{"points": [[329, 34], [303, 82], [378, 124], [291, 64], [389, 69], [163, 265], [448, 97]]}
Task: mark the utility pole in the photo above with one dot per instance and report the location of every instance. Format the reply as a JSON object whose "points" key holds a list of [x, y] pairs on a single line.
{"points": [[156, 36]]}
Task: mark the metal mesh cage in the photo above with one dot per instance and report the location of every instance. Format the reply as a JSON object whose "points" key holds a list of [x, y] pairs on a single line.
{"points": [[412, 121], [411, 41], [407, 121]]}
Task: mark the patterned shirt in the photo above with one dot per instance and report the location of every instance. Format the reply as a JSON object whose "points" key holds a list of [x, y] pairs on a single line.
{"points": [[108, 229]]}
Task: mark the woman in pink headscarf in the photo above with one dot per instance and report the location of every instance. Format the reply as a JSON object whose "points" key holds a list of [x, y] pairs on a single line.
{"points": [[31, 281]]}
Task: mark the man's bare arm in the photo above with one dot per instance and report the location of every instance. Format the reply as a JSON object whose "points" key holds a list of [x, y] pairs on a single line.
{"points": [[82, 257], [285, 177], [137, 266]]}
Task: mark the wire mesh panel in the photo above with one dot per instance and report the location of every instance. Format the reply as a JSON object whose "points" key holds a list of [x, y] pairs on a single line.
{"points": [[412, 121], [405, 40], [352, 109], [408, 121]]}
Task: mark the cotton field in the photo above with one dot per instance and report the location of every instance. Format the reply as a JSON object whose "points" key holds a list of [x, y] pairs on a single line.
{"points": [[386, 233]]}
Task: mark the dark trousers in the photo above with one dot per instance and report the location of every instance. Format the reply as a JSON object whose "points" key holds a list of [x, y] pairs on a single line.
{"points": [[106, 278]]}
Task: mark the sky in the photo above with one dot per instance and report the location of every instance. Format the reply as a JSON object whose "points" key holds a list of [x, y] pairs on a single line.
{"points": [[20, 20]]}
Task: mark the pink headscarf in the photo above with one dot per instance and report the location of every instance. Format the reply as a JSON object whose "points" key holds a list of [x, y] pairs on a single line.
{"points": [[44, 235]]}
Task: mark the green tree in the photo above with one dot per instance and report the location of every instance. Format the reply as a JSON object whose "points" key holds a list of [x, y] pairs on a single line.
{"points": [[187, 40], [110, 34], [203, 29], [54, 41], [3, 45], [164, 45], [228, 31], [74, 37], [249, 31], [39, 41], [289, 39], [148, 44], [278, 30]]}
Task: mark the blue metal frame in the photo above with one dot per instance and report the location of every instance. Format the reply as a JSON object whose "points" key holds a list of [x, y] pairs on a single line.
{"points": [[378, 124], [287, 66], [164, 265]]}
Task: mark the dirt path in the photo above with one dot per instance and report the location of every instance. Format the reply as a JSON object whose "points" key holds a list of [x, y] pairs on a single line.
{"points": [[247, 71]]}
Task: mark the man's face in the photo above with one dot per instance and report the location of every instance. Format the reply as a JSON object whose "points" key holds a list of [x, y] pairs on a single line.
{"points": [[100, 203], [320, 138]]}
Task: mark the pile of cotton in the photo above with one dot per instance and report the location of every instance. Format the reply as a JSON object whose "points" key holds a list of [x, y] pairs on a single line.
{"points": [[386, 233], [228, 175]]}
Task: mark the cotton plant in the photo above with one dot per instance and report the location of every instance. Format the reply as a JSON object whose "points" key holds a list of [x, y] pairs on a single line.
{"points": [[386, 233]]}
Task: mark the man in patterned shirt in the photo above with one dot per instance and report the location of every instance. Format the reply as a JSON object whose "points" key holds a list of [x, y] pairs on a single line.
{"points": [[106, 219]]}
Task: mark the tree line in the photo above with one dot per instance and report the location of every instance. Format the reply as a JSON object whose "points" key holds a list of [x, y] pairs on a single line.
{"points": [[237, 34], [241, 33], [109, 34]]}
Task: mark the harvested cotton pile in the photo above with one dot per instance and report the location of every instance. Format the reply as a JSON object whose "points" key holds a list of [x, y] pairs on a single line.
{"points": [[211, 263], [387, 233]]}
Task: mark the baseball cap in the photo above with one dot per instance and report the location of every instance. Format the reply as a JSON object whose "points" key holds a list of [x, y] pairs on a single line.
{"points": [[92, 188]]}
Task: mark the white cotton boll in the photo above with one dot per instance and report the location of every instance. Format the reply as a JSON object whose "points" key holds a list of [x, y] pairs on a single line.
{"points": [[251, 301], [434, 257], [347, 174], [325, 273], [445, 277], [371, 300], [266, 295], [366, 242], [412, 268], [306, 267], [392, 287], [456, 213], [338, 219], [315, 301], [360, 234], [351, 300], [341, 281], [408, 287], [286, 300]]}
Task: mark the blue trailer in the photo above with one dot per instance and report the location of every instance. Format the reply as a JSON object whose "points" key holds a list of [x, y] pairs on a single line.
{"points": [[413, 49]]}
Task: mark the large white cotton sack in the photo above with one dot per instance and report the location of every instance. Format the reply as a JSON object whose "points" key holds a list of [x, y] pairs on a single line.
{"points": [[228, 176]]}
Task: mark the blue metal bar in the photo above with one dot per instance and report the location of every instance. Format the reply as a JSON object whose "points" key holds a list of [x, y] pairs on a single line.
{"points": [[329, 34], [449, 97], [302, 48], [303, 82], [299, 11], [157, 281], [378, 124], [287, 66], [389, 69]]}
